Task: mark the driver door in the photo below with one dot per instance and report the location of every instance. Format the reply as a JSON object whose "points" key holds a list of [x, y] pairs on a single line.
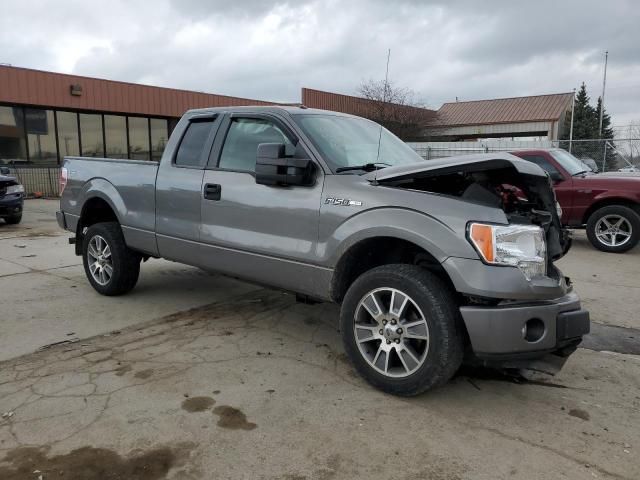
{"points": [[262, 233]]}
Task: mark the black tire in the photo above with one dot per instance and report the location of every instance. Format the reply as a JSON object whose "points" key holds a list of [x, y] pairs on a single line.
{"points": [[631, 218], [14, 219], [440, 308], [125, 262]]}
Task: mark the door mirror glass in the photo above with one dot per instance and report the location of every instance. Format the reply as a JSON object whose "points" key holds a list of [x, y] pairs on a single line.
{"points": [[4, 171], [556, 176], [275, 167]]}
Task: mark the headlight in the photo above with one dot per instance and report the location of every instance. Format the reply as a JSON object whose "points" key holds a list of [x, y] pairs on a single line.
{"points": [[15, 189], [521, 246]]}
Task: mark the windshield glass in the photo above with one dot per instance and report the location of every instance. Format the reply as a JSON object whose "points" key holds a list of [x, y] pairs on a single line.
{"points": [[351, 141], [570, 163]]}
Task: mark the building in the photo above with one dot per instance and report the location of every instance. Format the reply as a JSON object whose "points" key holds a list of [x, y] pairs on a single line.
{"points": [[541, 117], [45, 116]]}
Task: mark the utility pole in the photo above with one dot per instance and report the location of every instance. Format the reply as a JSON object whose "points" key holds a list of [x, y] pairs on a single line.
{"points": [[573, 108], [604, 84]]}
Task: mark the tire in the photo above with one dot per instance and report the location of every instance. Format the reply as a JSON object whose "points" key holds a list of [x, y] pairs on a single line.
{"points": [[124, 262], [14, 219], [441, 348], [624, 219]]}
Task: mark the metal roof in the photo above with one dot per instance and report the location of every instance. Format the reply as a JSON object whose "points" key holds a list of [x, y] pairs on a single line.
{"points": [[505, 110]]}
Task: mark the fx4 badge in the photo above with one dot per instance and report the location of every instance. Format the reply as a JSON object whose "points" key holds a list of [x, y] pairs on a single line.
{"points": [[345, 202]]}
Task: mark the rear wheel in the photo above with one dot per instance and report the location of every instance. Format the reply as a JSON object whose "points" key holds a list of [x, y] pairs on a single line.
{"points": [[614, 228], [401, 329], [111, 267]]}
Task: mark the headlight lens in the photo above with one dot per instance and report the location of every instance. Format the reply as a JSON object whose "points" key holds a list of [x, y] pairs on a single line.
{"points": [[521, 246], [15, 189]]}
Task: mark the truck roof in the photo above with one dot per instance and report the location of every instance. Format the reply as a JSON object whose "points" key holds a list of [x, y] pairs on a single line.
{"points": [[290, 109]]}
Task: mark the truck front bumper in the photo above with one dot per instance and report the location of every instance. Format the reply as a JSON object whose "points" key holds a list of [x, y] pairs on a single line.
{"points": [[521, 330]]}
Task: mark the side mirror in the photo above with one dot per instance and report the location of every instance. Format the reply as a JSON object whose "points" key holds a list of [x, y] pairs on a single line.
{"points": [[274, 167], [5, 171], [556, 176]]}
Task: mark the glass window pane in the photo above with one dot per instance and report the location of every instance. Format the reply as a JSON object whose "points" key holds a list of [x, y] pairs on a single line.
{"points": [[13, 147], [115, 133], [190, 150], [159, 136], [138, 138], [68, 139], [91, 135], [241, 145], [41, 135]]}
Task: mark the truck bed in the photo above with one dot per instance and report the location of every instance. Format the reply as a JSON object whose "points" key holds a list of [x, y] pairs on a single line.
{"points": [[127, 185]]}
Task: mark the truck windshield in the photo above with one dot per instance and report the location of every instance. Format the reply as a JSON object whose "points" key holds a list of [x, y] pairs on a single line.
{"points": [[351, 141], [570, 163]]}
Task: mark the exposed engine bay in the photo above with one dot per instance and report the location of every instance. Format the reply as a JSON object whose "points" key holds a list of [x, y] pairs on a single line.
{"points": [[525, 199]]}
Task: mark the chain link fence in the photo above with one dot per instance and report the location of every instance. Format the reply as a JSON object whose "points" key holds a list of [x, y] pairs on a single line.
{"points": [[38, 182], [601, 155]]}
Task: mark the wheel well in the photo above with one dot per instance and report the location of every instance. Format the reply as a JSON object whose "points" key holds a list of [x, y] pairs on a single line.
{"points": [[95, 210], [377, 251], [608, 202]]}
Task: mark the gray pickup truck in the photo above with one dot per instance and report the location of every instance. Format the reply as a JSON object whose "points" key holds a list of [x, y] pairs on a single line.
{"points": [[432, 262]]}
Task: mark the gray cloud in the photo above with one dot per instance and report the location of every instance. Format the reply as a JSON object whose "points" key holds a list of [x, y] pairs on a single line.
{"points": [[270, 49]]}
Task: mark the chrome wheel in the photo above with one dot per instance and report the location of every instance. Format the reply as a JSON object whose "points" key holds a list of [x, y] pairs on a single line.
{"points": [[99, 260], [613, 230], [391, 332]]}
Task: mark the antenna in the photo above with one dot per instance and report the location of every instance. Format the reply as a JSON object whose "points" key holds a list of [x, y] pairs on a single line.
{"points": [[384, 101]]}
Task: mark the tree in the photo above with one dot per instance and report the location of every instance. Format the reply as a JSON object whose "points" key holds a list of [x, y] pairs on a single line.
{"points": [[586, 126], [396, 109]]}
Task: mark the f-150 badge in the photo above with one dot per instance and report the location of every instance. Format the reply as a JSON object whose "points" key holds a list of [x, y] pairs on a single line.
{"points": [[344, 202]]}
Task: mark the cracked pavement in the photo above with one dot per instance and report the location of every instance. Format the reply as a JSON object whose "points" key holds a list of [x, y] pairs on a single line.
{"points": [[251, 384]]}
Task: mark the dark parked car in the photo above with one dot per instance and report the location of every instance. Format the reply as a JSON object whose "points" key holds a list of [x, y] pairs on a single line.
{"points": [[11, 197], [606, 204]]}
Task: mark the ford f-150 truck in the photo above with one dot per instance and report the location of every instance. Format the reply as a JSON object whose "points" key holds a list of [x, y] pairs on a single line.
{"points": [[432, 262], [606, 204]]}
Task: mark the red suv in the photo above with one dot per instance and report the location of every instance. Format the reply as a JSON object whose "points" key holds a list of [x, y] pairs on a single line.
{"points": [[607, 204]]}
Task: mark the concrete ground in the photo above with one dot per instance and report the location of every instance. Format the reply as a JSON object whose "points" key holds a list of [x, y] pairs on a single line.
{"points": [[195, 376]]}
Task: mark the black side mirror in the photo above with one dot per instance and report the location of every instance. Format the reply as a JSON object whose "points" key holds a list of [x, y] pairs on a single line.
{"points": [[274, 167], [5, 171], [556, 177]]}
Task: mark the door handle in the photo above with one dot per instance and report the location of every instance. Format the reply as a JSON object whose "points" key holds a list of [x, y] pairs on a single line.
{"points": [[212, 191]]}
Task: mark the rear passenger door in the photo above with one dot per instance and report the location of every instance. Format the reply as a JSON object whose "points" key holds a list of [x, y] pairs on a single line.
{"points": [[259, 232], [178, 188]]}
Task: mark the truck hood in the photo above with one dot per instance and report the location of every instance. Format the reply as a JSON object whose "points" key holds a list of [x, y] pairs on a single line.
{"points": [[469, 163], [497, 180]]}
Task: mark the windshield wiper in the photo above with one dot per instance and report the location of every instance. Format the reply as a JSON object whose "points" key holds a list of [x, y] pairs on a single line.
{"points": [[581, 172], [367, 167]]}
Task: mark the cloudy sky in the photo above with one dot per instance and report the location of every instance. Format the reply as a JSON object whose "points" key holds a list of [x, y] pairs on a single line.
{"points": [[270, 49]]}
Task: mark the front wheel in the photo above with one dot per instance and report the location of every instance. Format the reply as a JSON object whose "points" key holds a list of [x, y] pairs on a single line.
{"points": [[614, 228], [401, 329], [111, 267]]}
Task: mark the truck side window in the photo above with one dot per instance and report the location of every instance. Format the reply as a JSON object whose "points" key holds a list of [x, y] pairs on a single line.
{"points": [[190, 151], [542, 162], [241, 144]]}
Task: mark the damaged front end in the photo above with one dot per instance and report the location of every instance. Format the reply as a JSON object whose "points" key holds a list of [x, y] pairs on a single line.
{"points": [[519, 188]]}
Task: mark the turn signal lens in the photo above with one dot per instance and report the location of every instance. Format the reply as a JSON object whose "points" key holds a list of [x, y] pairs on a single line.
{"points": [[482, 238], [64, 175]]}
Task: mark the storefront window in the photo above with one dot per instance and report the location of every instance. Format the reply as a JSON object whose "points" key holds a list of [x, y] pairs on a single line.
{"points": [[115, 133], [138, 138], [91, 135], [13, 147], [159, 136], [68, 139], [41, 135]]}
